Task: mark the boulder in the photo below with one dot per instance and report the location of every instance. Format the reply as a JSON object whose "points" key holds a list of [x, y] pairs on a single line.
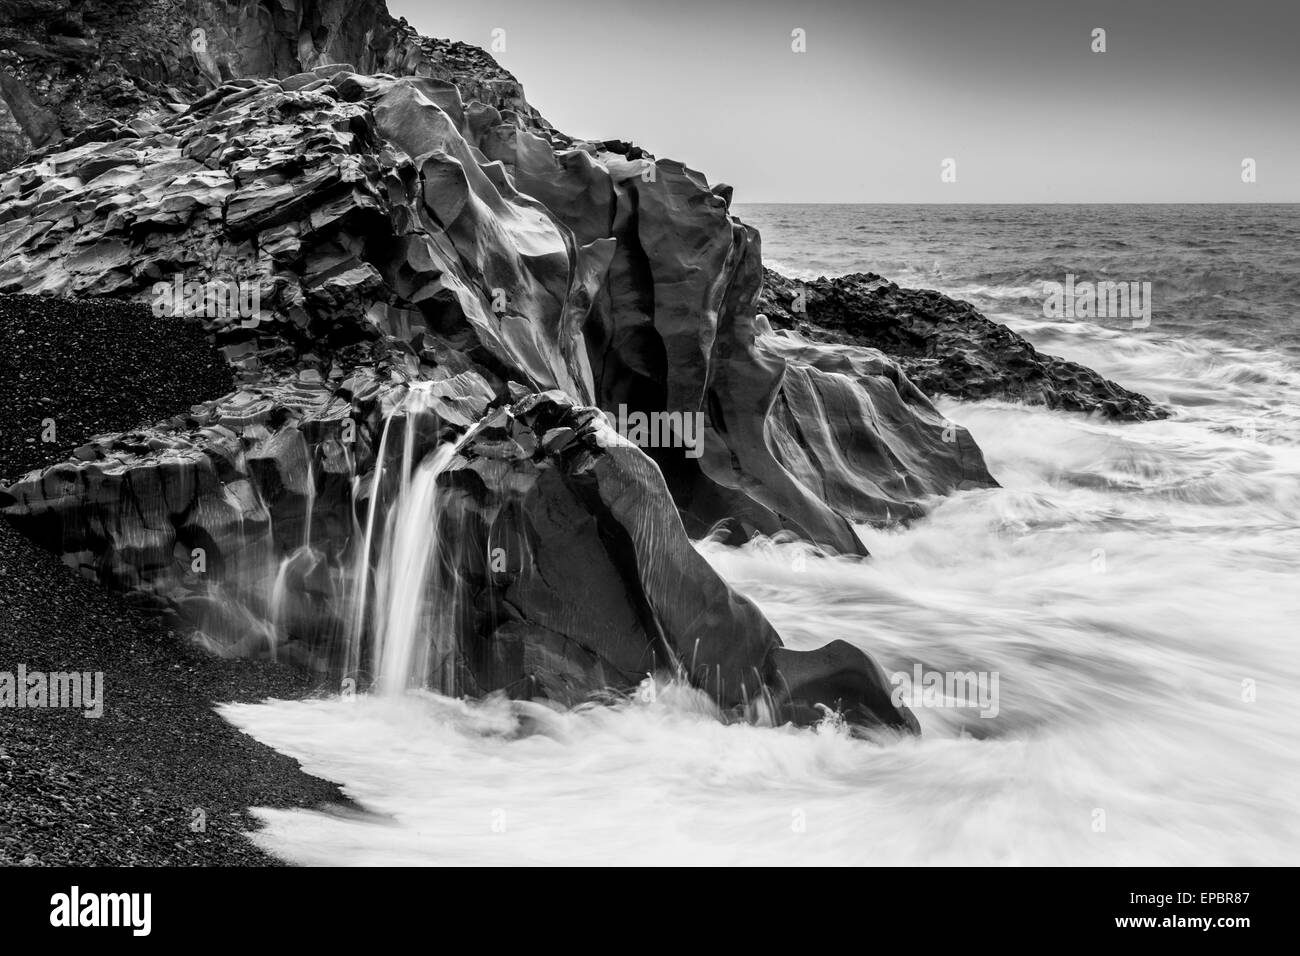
{"points": [[354, 244], [396, 222], [572, 571], [397, 256], [945, 346]]}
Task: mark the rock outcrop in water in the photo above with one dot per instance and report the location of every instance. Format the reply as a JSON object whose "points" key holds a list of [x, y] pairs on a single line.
{"points": [[570, 570], [405, 266], [382, 220], [944, 345], [393, 235]]}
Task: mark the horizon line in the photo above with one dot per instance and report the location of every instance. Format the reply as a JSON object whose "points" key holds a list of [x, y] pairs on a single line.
{"points": [[969, 202]]}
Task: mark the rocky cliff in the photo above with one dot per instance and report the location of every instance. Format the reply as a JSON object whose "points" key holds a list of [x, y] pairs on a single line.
{"points": [[383, 228], [405, 266], [66, 65]]}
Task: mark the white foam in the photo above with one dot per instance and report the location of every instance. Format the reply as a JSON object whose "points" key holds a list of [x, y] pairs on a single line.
{"points": [[1125, 584]]}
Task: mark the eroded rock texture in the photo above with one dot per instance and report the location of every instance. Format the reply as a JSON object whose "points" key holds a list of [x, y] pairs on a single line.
{"points": [[411, 226], [396, 235], [944, 345], [384, 218], [66, 65], [573, 574]]}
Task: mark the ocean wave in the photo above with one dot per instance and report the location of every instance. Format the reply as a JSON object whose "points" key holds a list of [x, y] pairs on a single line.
{"points": [[1132, 586], [1111, 614]]}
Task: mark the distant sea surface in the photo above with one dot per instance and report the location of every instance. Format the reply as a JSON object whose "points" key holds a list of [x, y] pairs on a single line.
{"points": [[1135, 588], [1227, 272]]}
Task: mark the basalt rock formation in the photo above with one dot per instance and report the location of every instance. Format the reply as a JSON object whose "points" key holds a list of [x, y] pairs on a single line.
{"points": [[944, 345], [572, 573], [385, 220], [383, 238], [67, 65], [430, 300]]}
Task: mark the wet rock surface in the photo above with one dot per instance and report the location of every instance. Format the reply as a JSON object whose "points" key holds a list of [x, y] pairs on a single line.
{"points": [[591, 564], [397, 252], [385, 225], [945, 346], [66, 65]]}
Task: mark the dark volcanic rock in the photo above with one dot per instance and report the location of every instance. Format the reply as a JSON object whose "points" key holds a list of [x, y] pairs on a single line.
{"points": [[214, 478], [944, 345], [394, 235], [388, 217], [594, 565], [910, 453], [573, 572], [13, 141], [598, 585], [673, 328], [66, 65], [406, 227], [842, 674]]}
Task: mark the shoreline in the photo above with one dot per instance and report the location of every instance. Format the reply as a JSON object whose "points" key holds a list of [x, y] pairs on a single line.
{"points": [[123, 789]]}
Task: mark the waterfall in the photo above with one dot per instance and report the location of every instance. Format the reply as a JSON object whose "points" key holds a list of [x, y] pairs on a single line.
{"points": [[279, 599], [311, 500], [409, 612], [412, 616], [361, 569], [382, 610], [278, 604]]}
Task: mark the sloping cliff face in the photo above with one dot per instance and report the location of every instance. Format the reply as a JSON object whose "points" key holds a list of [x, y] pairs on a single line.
{"points": [[418, 267], [436, 307], [66, 65], [385, 220]]}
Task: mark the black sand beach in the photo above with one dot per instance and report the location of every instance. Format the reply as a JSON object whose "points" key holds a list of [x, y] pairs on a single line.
{"points": [[124, 788]]}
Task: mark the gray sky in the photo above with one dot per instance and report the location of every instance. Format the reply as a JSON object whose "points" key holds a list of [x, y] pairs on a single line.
{"points": [[888, 89]]}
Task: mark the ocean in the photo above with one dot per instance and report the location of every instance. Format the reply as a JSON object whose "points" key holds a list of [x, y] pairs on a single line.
{"points": [[1134, 589]]}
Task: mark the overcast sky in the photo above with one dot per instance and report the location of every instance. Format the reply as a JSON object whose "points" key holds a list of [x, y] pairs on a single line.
{"points": [[889, 89]]}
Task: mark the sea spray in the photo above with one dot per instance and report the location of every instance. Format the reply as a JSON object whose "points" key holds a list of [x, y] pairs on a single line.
{"points": [[1123, 681], [1115, 684]]}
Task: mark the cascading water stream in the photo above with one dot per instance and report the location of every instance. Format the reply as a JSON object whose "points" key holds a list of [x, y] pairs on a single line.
{"points": [[279, 598], [361, 572], [409, 613], [311, 501], [412, 597], [278, 604]]}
